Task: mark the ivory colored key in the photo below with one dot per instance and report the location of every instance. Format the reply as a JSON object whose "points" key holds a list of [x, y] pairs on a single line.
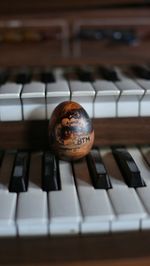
{"points": [[142, 158], [145, 101], [105, 103], [33, 100], [32, 209], [8, 200], [10, 103], [56, 93], [95, 205], [64, 208], [128, 104], [83, 93], [125, 201]]}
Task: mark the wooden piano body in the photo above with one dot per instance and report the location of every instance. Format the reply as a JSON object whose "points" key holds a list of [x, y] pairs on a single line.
{"points": [[61, 22]]}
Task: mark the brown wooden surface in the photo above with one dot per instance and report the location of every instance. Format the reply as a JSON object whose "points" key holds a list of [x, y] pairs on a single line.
{"points": [[52, 52], [35, 6], [116, 249], [108, 131]]}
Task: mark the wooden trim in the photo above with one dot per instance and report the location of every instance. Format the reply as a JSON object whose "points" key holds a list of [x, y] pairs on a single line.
{"points": [[125, 248], [51, 52], [108, 131]]}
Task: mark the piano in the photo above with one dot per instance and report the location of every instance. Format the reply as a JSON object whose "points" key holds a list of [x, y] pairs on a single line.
{"points": [[95, 211]]}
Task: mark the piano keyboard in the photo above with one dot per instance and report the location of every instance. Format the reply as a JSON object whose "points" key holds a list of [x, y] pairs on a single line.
{"points": [[103, 92], [107, 192]]}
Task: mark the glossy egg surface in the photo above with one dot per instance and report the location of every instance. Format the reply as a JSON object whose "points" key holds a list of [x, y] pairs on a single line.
{"points": [[71, 133]]}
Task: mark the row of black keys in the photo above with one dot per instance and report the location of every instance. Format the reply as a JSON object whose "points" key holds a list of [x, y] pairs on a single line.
{"points": [[108, 73], [51, 177]]}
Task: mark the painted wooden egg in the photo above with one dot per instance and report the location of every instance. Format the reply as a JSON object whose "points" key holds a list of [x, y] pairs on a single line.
{"points": [[71, 133]]}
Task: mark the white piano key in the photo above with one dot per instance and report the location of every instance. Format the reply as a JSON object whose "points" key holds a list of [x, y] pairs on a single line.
{"points": [[126, 203], [129, 101], [83, 93], [10, 102], [143, 192], [145, 101], [33, 100], [96, 208], [65, 213], [56, 93], [7, 214], [105, 103], [32, 209], [7, 200]]}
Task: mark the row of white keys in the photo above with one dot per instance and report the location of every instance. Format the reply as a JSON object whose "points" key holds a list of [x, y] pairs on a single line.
{"points": [[105, 103], [104, 99], [100, 99], [96, 209], [119, 99], [32, 208], [143, 192], [33, 101], [135, 95], [127, 98], [108, 99], [65, 215], [7, 200], [127, 205]]}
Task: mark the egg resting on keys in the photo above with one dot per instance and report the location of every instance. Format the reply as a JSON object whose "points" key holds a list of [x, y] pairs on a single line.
{"points": [[71, 133]]}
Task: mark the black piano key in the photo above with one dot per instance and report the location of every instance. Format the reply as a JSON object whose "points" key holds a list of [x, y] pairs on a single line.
{"points": [[84, 75], [50, 177], [108, 73], [47, 77], [99, 176], [23, 76], [19, 178], [141, 71], [128, 168]]}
